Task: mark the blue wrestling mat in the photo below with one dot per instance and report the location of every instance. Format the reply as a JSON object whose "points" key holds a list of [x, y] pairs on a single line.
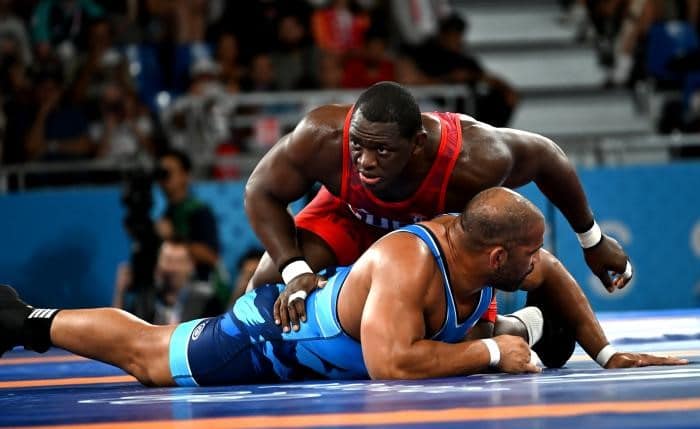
{"points": [[60, 390]]}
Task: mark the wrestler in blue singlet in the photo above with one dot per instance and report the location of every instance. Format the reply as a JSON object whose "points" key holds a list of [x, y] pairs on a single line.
{"points": [[245, 346]]}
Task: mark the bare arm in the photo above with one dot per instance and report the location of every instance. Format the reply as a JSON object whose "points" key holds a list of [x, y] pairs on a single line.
{"points": [[284, 175], [393, 326], [540, 160], [564, 293]]}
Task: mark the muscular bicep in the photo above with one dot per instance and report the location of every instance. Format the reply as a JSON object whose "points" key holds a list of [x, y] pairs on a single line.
{"points": [[393, 318], [390, 325], [279, 174], [533, 157], [538, 159]]}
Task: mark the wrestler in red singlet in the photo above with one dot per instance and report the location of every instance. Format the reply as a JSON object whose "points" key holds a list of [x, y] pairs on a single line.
{"points": [[351, 222]]}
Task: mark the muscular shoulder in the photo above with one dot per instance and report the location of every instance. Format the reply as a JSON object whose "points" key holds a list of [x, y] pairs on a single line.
{"points": [[316, 140], [402, 262], [485, 160], [322, 126], [490, 154]]}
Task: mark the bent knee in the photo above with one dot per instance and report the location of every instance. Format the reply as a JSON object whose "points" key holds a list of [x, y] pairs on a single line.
{"points": [[148, 359]]}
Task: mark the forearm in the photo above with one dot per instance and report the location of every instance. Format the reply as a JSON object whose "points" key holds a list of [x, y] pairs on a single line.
{"points": [[273, 225], [430, 359], [565, 294]]}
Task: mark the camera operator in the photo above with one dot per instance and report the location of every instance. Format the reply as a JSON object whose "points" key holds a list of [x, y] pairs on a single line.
{"points": [[186, 216], [186, 220]]}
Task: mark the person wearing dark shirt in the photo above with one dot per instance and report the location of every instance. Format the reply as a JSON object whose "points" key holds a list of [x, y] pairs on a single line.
{"points": [[186, 216]]}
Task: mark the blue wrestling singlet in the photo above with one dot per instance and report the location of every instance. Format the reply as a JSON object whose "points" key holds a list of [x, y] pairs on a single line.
{"points": [[245, 346]]}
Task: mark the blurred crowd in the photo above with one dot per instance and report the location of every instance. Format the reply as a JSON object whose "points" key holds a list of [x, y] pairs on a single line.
{"points": [[122, 80], [647, 45]]}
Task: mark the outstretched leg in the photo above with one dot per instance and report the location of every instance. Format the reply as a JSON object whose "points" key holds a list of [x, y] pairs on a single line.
{"points": [[106, 334], [116, 337]]}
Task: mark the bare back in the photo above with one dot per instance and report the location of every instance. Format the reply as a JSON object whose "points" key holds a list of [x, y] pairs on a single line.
{"points": [[410, 285]]}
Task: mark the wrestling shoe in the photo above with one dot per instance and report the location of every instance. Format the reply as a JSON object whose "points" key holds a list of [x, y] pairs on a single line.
{"points": [[13, 312]]}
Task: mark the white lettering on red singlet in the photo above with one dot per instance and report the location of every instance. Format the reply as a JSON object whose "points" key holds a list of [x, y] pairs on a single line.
{"points": [[383, 222]]}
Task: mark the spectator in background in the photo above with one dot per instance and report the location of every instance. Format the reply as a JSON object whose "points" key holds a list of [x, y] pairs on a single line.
{"points": [[262, 74], [192, 18], [102, 63], [255, 23], [59, 128], [330, 76], [374, 64], [330, 71], [14, 40], [18, 108], [418, 20], [124, 128], [340, 28], [446, 59], [186, 216], [58, 26], [296, 56], [196, 122], [176, 296], [227, 56]]}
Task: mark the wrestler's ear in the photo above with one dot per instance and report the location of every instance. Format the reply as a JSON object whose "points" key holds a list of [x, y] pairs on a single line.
{"points": [[498, 256], [419, 140]]}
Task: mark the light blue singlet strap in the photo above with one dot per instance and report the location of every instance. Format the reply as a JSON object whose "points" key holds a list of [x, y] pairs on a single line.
{"points": [[450, 330]]}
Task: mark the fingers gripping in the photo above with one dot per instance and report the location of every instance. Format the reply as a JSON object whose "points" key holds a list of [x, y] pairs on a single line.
{"points": [[290, 307]]}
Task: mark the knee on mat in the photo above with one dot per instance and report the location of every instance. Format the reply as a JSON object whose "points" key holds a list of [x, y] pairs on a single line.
{"points": [[558, 341], [556, 345]]}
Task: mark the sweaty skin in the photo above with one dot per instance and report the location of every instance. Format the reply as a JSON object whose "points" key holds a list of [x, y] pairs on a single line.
{"points": [[392, 168]]}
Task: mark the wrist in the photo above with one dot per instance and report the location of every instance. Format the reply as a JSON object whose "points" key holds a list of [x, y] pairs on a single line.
{"points": [[293, 268], [591, 237], [494, 351], [604, 355]]}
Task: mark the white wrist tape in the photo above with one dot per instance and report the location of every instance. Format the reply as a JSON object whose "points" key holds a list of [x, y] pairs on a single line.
{"points": [[532, 318], [605, 354], [494, 352], [295, 269], [628, 271], [300, 294], [591, 237]]}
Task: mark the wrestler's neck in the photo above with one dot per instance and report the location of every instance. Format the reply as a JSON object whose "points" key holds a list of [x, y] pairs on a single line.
{"points": [[467, 275]]}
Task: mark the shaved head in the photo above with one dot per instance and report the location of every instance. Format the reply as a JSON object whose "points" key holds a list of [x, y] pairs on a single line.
{"points": [[499, 217]]}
